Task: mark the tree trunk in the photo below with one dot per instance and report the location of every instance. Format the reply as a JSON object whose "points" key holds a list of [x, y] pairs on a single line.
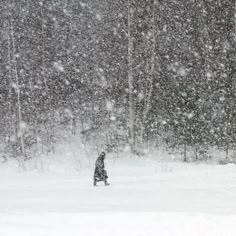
{"points": [[43, 45], [74, 125], [18, 95], [130, 78], [10, 89], [147, 105], [185, 152]]}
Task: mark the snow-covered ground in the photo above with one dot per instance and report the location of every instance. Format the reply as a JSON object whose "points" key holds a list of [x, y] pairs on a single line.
{"points": [[145, 198]]}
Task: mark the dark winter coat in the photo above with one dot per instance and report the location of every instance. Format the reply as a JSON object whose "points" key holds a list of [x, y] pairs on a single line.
{"points": [[100, 174]]}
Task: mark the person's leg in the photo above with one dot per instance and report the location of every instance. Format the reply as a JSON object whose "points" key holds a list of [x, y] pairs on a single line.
{"points": [[95, 178], [105, 181], [94, 181]]}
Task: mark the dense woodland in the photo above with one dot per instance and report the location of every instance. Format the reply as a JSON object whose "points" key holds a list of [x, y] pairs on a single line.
{"points": [[115, 73]]}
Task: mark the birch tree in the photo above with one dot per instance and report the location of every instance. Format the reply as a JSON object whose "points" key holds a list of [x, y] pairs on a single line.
{"points": [[150, 75], [18, 92], [130, 77]]}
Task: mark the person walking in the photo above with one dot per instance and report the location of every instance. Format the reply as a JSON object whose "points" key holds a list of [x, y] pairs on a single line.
{"points": [[100, 174]]}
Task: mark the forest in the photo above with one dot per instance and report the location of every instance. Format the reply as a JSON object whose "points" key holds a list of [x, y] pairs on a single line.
{"points": [[118, 74]]}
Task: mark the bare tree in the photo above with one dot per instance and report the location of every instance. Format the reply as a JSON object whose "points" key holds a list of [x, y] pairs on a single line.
{"points": [[17, 89], [150, 77], [130, 77]]}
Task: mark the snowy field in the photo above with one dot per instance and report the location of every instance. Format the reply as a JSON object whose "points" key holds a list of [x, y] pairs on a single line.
{"points": [[145, 198]]}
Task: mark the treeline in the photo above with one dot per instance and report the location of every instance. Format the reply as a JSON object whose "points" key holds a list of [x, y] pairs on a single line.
{"points": [[117, 73]]}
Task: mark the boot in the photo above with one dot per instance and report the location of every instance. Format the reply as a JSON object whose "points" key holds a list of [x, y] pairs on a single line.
{"points": [[106, 183], [95, 182]]}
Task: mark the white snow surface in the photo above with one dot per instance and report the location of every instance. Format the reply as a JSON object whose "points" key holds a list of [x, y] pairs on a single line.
{"points": [[145, 198]]}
